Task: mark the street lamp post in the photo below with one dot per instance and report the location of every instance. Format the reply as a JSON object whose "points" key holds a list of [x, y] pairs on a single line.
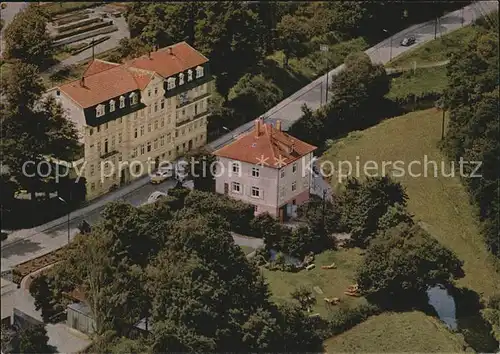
{"points": [[390, 44], [324, 48], [62, 200]]}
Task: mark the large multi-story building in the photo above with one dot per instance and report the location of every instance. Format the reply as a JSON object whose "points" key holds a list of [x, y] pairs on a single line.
{"points": [[268, 168], [136, 114]]}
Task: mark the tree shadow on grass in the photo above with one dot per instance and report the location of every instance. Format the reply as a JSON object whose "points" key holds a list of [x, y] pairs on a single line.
{"points": [[476, 330]]}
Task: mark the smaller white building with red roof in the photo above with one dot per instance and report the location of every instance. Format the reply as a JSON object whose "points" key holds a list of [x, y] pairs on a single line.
{"points": [[268, 168]]}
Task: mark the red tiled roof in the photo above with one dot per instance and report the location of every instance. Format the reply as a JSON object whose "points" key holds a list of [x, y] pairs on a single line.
{"points": [[171, 60], [104, 80], [270, 146], [96, 66]]}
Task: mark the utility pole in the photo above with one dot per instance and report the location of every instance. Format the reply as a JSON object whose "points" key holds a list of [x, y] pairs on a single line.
{"points": [[324, 48], [435, 27]]}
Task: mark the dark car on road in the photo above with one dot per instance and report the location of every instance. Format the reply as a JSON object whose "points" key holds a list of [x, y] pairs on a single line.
{"points": [[408, 41]]}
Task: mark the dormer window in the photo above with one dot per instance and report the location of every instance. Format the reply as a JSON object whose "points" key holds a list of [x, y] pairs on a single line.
{"points": [[199, 71], [170, 83], [112, 106], [181, 78], [133, 98], [122, 102], [100, 110], [190, 75]]}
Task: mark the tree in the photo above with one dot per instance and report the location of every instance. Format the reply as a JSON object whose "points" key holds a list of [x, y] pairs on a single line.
{"points": [[33, 339], [201, 161], [395, 215], [26, 37], [364, 203], [322, 216], [302, 241], [310, 127], [34, 128], [403, 262], [292, 34], [305, 297]]}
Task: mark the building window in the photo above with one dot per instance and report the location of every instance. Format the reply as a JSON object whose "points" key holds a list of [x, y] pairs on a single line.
{"points": [[137, 168], [91, 131], [106, 126], [113, 142], [112, 106], [255, 192], [99, 147], [190, 75], [156, 124], [122, 102], [149, 110], [142, 149], [170, 83], [169, 137], [162, 123], [92, 170], [282, 173], [100, 110], [134, 153], [156, 107], [149, 127], [196, 109], [282, 192], [156, 91], [235, 167], [92, 186], [135, 133], [119, 137], [162, 140], [199, 71], [181, 78], [142, 130], [155, 144], [294, 167], [183, 131], [162, 104], [133, 98], [236, 187], [294, 186], [255, 172], [149, 146], [149, 93], [106, 146]]}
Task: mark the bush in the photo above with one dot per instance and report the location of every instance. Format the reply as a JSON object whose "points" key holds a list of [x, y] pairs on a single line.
{"points": [[346, 318], [238, 214]]}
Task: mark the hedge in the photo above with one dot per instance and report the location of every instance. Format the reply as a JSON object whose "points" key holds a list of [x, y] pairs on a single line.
{"points": [[57, 9], [82, 30], [78, 24], [346, 318]]}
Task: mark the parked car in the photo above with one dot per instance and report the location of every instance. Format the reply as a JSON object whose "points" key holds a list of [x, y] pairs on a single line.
{"points": [[155, 196], [408, 41], [162, 174]]}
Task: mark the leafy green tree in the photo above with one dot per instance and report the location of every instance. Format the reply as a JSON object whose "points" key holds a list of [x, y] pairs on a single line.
{"points": [[302, 240], [44, 298], [403, 262], [292, 34], [33, 339], [201, 161], [34, 128], [304, 296], [395, 215], [322, 216], [310, 127], [27, 38], [364, 203]]}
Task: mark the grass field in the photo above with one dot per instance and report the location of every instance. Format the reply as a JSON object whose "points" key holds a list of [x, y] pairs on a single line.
{"points": [[422, 81], [395, 333], [440, 203], [435, 51], [333, 282]]}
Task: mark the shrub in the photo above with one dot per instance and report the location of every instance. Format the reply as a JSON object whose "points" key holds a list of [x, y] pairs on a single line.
{"points": [[346, 318], [238, 214]]}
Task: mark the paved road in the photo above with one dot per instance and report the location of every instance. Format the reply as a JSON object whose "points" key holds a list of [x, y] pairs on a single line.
{"points": [[7, 15], [27, 244], [289, 110]]}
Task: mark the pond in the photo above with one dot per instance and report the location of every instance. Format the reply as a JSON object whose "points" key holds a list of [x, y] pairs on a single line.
{"points": [[444, 304], [288, 259]]}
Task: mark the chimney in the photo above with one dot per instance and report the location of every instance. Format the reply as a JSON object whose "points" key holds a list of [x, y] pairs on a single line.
{"points": [[258, 124], [292, 146], [278, 125], [82, 81], [170, 51]]}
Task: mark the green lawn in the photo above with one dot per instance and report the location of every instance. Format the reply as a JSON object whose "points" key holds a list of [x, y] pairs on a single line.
{"points": [[395, 333], [436, 50], [441, 204], [422, 81], [333, 282]]}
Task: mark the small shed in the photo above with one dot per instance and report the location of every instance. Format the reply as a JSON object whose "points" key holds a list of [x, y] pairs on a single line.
{"points": [[80, 317]]}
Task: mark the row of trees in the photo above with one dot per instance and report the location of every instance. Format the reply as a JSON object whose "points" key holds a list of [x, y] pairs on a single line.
{"points": [[472, 100], [175, 263]]}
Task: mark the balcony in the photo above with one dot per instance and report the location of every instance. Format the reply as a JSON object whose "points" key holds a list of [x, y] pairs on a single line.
{"points": [[189, 120], [109, 154], [193, 100]]}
